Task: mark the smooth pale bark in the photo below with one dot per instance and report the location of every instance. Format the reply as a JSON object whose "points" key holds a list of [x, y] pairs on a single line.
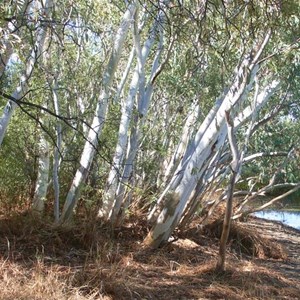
{"points": [[95, 131], [43, 175], [127, 174], [264, 154], [57, 153], [44, 153], [262, 99], [115, 171], [212, 140], [20, 91], [121, 85], [214, 172], [178, 173], [183, 142], [249, 113], [259, 101], [144, 99], [110, 199], [125, 76], [203, 187], [194, 142]]}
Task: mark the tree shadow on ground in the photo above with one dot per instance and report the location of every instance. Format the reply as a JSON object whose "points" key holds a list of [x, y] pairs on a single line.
{"points": [[91, 262]]}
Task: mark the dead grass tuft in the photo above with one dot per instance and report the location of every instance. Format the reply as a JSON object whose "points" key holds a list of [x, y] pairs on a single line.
{"points": [[245, 240], [90, 261]]}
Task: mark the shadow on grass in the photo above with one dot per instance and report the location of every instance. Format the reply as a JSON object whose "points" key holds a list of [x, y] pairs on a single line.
{"points": [[40, 261]]}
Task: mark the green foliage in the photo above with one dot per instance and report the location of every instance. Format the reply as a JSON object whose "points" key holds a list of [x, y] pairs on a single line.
{"points": [[209, 44], [18, 158]]}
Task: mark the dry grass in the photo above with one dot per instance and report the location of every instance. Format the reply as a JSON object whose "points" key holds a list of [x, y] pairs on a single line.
{"points": [[246, 240], [38, 281], [39, 261]]}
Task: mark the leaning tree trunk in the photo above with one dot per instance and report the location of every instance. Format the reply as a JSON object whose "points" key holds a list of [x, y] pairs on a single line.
{"points": [[192, 144], [57, 152], [215, 169], [31, 61], [124, 191], [183, 142], [211, 141], [111, 202], [95, 131]]}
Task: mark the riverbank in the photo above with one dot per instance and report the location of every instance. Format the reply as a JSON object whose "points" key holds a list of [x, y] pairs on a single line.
{"points": [[289, 238], [288, 217], [42, 262]]}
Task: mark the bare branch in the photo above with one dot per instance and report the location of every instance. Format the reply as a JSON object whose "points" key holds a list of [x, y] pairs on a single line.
{"points": [[274, 200]]}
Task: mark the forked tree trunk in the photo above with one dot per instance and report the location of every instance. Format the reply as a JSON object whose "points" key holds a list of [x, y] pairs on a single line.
{"points": [[111, 201], [211, 141], [214, 172], [144, 98]]}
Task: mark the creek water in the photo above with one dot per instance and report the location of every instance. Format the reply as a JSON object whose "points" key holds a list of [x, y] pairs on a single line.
{"points": [[290, 218]]}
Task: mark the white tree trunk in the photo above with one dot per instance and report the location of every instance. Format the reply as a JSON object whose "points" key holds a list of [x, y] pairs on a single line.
{"points": [[192, 145], [212, 140], [183, 142], [124, 78], [250, 112], [22, 88], [144, 99], [95, 131], [261, 100], [43, 175], [137, 83], [57, 153]]}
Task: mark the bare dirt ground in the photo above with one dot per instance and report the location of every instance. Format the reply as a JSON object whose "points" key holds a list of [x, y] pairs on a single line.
{"points": [[39, 261]]}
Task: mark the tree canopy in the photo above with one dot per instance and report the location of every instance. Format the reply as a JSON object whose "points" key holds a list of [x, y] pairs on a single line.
{"points": [[119, 107]]}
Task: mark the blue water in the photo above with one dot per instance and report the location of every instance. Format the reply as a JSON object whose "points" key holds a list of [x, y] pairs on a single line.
{"points": [[290, 218]]}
